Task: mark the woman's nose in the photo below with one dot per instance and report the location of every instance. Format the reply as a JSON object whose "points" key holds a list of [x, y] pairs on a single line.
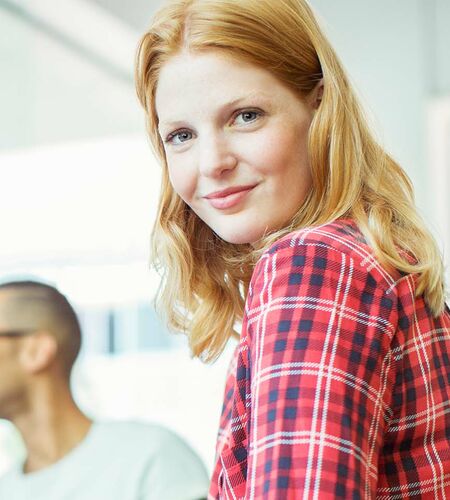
{"points": [[215, 156]]}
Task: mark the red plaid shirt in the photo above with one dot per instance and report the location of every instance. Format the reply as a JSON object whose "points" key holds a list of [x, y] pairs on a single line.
{"points": [[341, 383]]}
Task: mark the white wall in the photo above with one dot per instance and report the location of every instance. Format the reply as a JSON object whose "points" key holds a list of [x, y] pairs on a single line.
{"points": [[66, 74], [442, 37], [381, 45]]}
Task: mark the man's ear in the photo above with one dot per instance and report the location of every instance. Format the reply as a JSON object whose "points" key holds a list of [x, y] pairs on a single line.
{"points": [[38, 351]]}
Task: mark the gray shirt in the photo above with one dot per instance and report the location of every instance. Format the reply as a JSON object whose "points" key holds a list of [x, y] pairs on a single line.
{"points": [[116, 461]]}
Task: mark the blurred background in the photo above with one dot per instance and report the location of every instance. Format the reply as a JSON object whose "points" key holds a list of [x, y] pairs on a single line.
{"points": [[79, 183]]}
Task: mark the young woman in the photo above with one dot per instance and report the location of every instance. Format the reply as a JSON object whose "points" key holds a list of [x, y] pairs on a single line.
{"points": [[281, 218]]}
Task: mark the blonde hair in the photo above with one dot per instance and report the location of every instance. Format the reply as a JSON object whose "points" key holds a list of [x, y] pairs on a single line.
{"points": [[205, 279]]}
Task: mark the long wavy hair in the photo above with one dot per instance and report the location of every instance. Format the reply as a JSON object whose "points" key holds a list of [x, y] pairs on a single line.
{"points": [[205, 279]]}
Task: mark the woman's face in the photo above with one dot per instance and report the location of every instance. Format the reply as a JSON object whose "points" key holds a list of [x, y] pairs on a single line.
{"points": [[235, 140]]}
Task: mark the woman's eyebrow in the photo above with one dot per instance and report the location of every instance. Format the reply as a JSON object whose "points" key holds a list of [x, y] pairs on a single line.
{"points": [[171, 124], [257, 95], [251, 95]]}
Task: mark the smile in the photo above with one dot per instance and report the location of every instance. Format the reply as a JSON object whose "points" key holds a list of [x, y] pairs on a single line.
{"points": [[228, 198]]}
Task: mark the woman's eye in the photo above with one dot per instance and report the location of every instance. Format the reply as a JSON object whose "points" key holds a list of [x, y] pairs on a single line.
{"points": [[247, 117], [179, 137]]}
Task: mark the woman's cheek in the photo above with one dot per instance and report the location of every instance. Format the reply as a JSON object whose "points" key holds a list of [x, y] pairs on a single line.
{"points": [[182, 180], [256, 150]]}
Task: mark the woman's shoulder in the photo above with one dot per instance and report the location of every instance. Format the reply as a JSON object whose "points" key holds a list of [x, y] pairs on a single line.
{"points": [[327, 245], [341, 235]]}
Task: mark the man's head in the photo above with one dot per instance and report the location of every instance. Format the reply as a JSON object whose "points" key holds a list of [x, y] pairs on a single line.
{"points": [[39, 336]]}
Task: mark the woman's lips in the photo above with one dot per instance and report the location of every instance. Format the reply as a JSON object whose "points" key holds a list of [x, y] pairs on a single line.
{"points": [[228, 198]]}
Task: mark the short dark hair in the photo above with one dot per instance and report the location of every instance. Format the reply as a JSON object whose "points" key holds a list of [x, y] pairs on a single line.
{"points": [[60, 315]]}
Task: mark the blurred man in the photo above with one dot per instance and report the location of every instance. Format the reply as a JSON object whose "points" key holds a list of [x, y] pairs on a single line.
{"points": [[69, 457]]}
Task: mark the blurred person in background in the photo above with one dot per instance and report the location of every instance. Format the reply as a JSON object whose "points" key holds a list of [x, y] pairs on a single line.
{"points": [[69, 456], [283, 222]]}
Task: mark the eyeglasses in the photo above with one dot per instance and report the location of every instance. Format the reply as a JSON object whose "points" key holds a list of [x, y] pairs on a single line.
{"points": [[17, 333]]}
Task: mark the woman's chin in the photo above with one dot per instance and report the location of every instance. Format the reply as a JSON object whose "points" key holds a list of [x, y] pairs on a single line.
{"points": [[241, 237]]}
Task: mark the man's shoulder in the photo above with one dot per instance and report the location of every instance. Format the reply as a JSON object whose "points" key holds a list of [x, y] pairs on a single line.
{"points": [[142, 439], [136, 434], [171, 464]]}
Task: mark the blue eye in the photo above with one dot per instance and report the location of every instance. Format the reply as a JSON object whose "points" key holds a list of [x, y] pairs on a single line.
{"points": [[177, 138], [247, 116]]}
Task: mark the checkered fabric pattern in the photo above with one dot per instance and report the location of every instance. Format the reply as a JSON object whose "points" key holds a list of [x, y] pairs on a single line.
{"points": [[340, 387]]}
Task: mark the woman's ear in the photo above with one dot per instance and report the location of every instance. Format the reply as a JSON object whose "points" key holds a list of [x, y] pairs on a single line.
{"points": [[38, 351], [317, 94]]}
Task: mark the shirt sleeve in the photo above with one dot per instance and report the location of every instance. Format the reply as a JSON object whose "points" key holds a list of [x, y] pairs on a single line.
{"points": [[319, 330]]}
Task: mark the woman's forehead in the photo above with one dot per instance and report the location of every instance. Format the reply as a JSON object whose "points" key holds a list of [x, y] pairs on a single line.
{"points": [[192, 81]]}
